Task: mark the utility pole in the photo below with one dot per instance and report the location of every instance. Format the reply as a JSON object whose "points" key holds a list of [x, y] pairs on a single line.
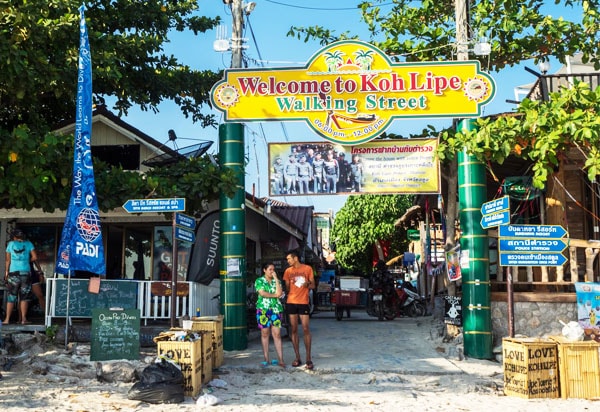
{"points": [[462, 30], [236, 33], [232, 268], [476, 300]]}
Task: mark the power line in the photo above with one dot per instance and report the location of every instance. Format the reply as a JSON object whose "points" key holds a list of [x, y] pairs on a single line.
{"points": [[254, 40], [262, 130], [316, 8]]}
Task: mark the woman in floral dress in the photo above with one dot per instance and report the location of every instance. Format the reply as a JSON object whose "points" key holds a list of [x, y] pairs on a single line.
{"points": [[269, 311]]}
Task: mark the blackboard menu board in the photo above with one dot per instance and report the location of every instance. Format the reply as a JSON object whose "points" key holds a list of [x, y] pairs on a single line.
{"points": [[115, 334], [113, 293]]}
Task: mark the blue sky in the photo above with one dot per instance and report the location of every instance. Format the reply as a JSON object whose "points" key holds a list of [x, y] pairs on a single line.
{"points": [[269, 46]]}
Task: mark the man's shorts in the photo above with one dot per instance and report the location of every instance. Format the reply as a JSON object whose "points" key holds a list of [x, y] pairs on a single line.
{"points": [[297, 309], [267, 318], [35, 277], [18, 286]]}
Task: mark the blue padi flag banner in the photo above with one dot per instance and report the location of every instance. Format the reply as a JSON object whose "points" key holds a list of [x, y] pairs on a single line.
{"points": [[81, 245]]}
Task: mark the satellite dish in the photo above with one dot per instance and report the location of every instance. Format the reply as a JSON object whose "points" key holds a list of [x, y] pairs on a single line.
{"points": [[171, 156]]}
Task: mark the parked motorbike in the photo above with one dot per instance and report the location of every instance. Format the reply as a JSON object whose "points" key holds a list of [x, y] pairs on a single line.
{"points": [[411, 303], [389, 298], [375, 303], [382, 300]]}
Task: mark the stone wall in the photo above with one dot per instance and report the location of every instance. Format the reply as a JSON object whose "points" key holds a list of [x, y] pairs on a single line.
{"points": [[531, 319]]}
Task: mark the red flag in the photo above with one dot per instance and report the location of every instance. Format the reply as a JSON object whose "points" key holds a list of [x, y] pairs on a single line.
{"points": [[381, 250]]}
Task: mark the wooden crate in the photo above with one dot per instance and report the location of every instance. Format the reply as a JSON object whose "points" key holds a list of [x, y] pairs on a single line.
{"points": [[214, 325], [206, 350], [189, 356], [530, 368], [207, 356], [579, 368]]}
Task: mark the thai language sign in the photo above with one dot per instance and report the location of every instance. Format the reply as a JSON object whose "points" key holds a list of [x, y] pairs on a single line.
{"points": [[531, 245], [349, 92], [406, 166]]}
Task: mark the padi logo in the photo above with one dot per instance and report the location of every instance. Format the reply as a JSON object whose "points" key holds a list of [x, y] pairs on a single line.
{"points": [[87, 249], [88, 224], [88, 228]]}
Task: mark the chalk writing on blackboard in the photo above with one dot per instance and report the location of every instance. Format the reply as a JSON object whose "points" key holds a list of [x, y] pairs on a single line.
{"points": [[115, 334], [118, 293]]}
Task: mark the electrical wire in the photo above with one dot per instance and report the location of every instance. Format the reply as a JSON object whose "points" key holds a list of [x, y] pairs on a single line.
{"points": [[254, 38], [294, 6], [260, 62], [577, 202]]}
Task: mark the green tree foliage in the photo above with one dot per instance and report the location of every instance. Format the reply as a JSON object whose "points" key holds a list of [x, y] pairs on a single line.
{"points": [[40, 46], [38, 61], [542, 132], [361, 222], [517, 30], [39, 176], [34, 172]]}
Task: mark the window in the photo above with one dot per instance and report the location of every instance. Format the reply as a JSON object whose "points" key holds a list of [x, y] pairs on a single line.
{"points": [[125, 156]]}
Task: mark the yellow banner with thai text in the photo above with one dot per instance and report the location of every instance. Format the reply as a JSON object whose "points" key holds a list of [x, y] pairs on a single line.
{"points": [[406, 166]]}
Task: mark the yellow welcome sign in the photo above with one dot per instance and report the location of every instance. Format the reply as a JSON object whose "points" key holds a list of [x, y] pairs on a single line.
{"points": [[349, 92]]}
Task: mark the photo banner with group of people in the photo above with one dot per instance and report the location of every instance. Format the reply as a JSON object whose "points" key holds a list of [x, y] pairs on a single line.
{"points": [[407, 166]]}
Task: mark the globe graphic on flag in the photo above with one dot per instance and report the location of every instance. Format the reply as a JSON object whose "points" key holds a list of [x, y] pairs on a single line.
{"points": [[88, 224]]}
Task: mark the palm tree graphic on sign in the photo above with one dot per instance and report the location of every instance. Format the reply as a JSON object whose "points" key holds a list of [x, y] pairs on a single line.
{"points": [[333, 60], [364, 58]]}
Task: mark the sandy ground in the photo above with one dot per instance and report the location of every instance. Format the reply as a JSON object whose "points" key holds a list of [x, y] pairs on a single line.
{"points": [[288, 390], [68, 381]]}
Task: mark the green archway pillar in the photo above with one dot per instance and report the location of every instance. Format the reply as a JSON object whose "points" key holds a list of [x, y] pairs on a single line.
{"points": [[232, 240], [474, 244]]}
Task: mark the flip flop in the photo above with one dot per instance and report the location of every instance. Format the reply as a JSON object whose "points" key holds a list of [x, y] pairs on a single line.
{"points": [[309, 365], [264, 364], [274, 362], [296, 363]]}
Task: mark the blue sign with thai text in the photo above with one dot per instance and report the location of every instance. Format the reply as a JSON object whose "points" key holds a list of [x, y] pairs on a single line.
{"points": [[184, 234], [533, 231], [531, 245], [185, 221], [154, 205], [495, 219], [532, 259], [496, 205]]}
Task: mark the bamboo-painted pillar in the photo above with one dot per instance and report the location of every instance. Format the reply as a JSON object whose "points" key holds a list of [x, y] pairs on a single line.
{"points": [[476, 300], [232, 240]]}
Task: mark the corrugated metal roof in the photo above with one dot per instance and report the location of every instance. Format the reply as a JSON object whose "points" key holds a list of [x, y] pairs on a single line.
{"points": [[299, 217]]}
